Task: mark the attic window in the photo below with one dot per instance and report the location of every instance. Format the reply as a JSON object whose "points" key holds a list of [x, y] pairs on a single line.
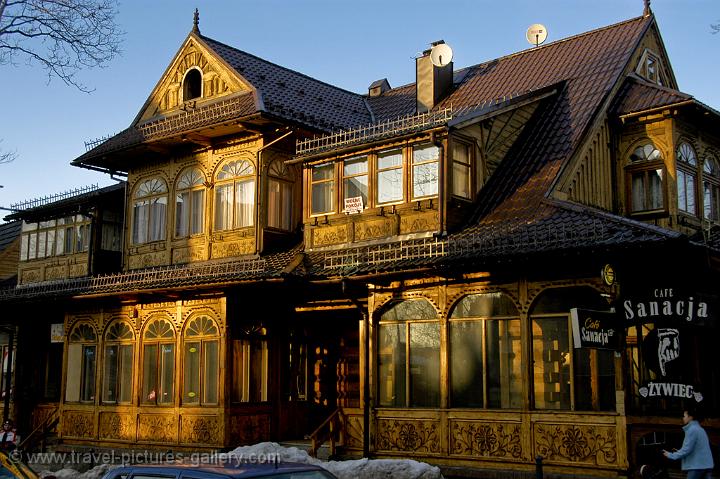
{"points": [[650, 67], [192, 85]]}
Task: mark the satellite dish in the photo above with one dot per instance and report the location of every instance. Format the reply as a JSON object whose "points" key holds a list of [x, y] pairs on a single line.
{"points": [[441, 54], [536, 34]]}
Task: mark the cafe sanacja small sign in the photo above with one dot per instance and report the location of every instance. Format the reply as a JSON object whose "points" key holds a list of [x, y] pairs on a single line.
{"points": [[596, 329], [667, 348]]}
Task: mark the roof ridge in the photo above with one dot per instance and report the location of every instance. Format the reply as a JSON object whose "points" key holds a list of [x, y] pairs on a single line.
{"points": [[359, 95]]}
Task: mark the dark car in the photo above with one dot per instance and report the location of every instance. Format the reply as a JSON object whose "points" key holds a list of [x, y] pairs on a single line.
{"points": [[227, 471]]}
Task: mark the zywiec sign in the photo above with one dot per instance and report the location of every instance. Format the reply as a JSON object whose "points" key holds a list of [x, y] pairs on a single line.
{"points": [[353, 205], [596, 329], [680, 391]]}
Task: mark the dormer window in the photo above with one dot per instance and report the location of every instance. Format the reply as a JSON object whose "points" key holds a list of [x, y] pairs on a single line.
{"points": [[686, 178], [192, 85], [645, 179], [649, 68], [711, 189]]}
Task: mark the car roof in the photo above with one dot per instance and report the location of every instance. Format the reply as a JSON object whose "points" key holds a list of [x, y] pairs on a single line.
{"points": [[234, 469]]}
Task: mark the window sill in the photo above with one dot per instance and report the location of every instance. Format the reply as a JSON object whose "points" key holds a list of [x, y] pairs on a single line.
{"points": [[649, 214]]}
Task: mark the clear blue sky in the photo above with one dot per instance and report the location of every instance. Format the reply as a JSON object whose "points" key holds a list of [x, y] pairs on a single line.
{"points": [[347, 43]]}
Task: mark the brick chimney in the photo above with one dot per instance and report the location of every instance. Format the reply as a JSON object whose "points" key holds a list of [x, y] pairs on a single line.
{"points": [[432, 83]]}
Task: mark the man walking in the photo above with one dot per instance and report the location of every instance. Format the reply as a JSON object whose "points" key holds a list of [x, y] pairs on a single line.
{"points": [[695, 452]]}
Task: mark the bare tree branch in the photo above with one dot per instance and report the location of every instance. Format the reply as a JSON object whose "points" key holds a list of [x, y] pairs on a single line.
{"points": [[715, 27], [63, 36], [7, 156]]}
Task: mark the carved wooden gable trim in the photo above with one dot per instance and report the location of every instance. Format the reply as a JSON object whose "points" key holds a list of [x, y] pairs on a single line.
{"points": [[218, 80]]}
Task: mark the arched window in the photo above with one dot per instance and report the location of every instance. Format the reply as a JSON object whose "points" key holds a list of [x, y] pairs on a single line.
{"points": [[118, 377], [686, 178], [485, 352], [189, 203], [192, 84], [82, 356], [558, 368], [409, 355], [200, 367], [235, 195], [280, 195], [158, 363], [645, 177], [250, 366], [711, 189], [149, 209]]}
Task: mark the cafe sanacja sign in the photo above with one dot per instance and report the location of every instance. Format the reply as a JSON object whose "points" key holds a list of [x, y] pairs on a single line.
{"points": [[667, 348]]}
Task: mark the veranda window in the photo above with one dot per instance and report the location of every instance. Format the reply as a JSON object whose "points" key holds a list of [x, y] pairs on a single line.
{"points": [[485, 352], [49, 238], [158, 363], [280, 195], [355, 179], [645, 176], [200, 366], [235, 196], [82, 356], [189, 203], [250, 366], [322, 186], [149, 211], [425, 164], [711, 189], [461, 164], [118, 374], [564, 377], [389, 176], [409, 355], [686, 178]]}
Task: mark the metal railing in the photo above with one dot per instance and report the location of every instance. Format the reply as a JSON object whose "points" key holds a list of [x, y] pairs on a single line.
{"points": [[44, 200]]}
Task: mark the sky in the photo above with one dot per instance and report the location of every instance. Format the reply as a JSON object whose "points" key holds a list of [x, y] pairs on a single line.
{"points": [[347, 43]]}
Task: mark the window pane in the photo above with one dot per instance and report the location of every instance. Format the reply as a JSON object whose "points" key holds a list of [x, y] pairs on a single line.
{"points": [[357, 186], [157, 219], [239, 370], [125, 374], [390, 186], [150, 373], [42, 238], [551, 359], [355, 166], [424, 364], [461, 180], [32, 246], [83, 238], [60, 241], [167, 363], [182, 213], [223, 206], [197, 210], [638, 192], [390, 159], [72, 386], [244, 203], [286, 223], [504, 386], [191, 371], [391, 365], [322, 197], [69, 240], [323, 172], [656, 189], [88, 374], [210, 372], [24, 248], [466, 364], [141, 210], [110, 378], [425, 153], [258, 370], [425, 180], [50, 245]]}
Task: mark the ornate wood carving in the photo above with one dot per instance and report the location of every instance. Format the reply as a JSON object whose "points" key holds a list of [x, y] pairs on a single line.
{"points": [[410, 436], [249, 429], [589, 444], [367, 230], [330, 235], [354, 432], [486, 439], [157, 427], [234, 248], [30, 276], [78, 424], [201, 430], [78, 270], [419, 222], [116, 426], [147, 260], [189, 254], [55, 272]]}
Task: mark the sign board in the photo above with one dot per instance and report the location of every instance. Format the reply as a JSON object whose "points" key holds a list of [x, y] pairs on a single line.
{"points": [[596, 329], [667, 306], [57, 333], [353, 205]]}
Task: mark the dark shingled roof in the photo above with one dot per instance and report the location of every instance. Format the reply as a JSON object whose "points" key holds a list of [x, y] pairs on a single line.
{"points": [[639, 95], [9, 232], [66, 205]]}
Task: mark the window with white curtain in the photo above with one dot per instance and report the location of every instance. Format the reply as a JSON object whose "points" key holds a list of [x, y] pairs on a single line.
{"points": [[646, 173], [149, 211], [81, 360], [58, 237], [118, 363], [189, 203], [235, 195], [279, 197], [686, 178], [389, 176]]}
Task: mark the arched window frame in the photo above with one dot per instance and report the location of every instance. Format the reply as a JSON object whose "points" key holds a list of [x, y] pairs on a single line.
{"points": [[408, 376], [150, 200], [158, 363], [189, 203], [201, 362], [645, 180], [686, 165], [118, 363], [280, 193], [711, 189], [82, 359], [485, 350], [235, 195], [250, 364], [190, 89]]}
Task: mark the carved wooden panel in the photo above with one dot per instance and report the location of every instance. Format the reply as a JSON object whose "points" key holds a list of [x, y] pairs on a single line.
{"points": [[188, 254], [330, 235], [30, 276], [586, 444], [419, 222], [408, 435], [201, 430], [367, 230], [79, 269], [78, 424], [157, 428], [55, 272], [354, 432], [116, 426], [249, 429], [234, 248], [486, 439], [147, 260]]}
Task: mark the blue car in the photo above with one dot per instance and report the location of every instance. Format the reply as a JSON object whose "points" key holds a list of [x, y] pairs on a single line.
{"points": [[227, 471]]}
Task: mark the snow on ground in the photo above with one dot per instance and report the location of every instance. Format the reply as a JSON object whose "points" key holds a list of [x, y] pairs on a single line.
{"points": [[352, 469]]}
